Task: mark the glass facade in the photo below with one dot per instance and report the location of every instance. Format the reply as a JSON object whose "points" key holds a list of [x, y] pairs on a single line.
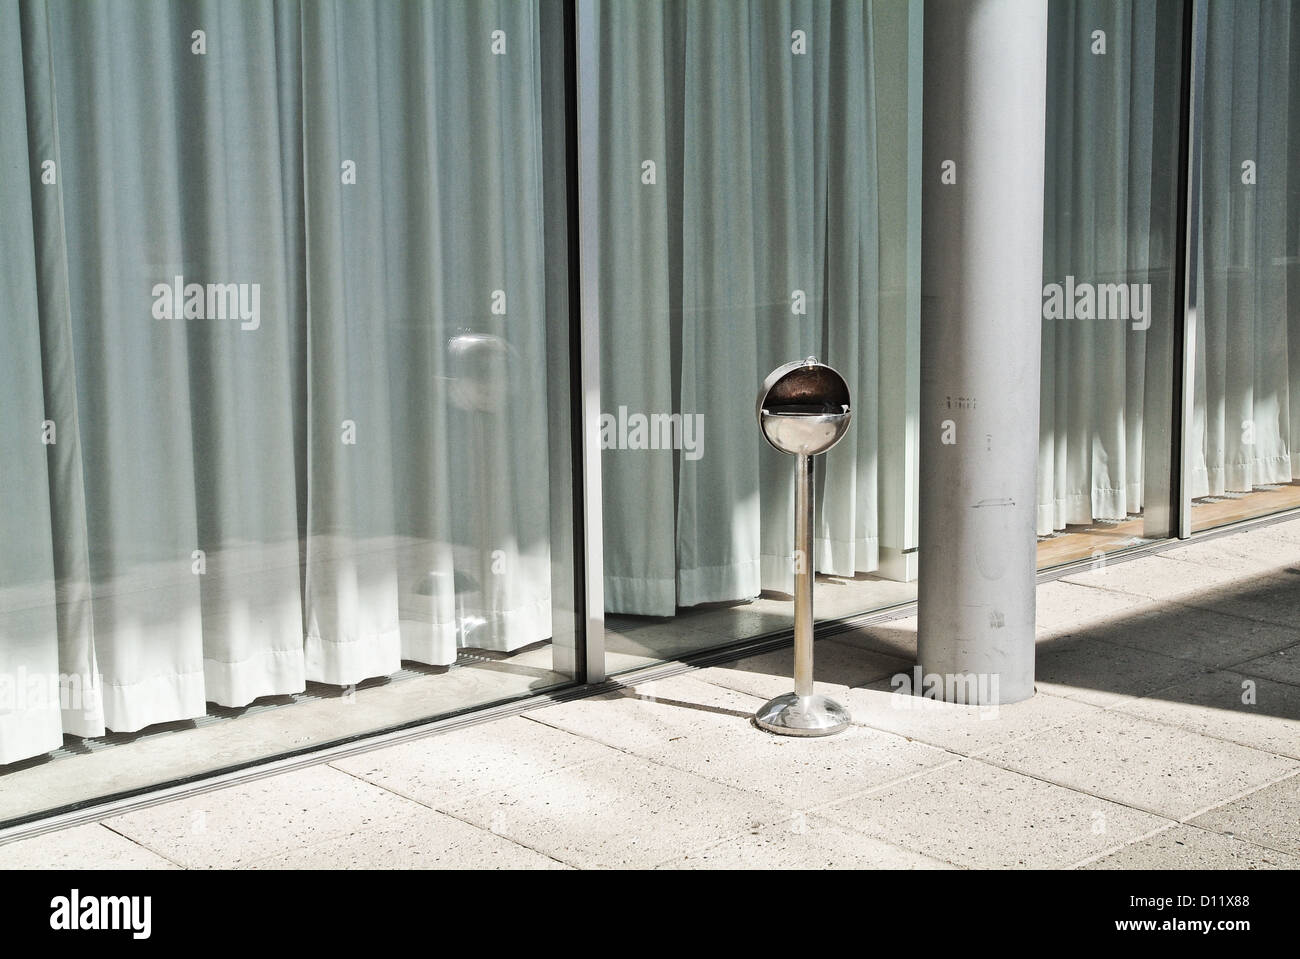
{"points": [[300, 444], [1110, 278], [1244, 438], [755, 203], [287, 456]]}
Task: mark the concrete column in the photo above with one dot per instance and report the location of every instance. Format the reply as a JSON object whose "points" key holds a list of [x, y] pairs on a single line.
{"points": [[985, 82]]}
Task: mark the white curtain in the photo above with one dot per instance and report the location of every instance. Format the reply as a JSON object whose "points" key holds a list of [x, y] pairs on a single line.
{"points": [[740, 227], [1247, 421], [350, 465], [1109, 208]]}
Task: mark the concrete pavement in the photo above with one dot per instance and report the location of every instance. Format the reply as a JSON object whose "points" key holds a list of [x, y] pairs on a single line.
{"points": [[1165, 733]]}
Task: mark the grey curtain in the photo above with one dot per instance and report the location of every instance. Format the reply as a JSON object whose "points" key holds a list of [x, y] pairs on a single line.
{"points": [[1109, 218], [278, 289], [1247, 424], [759, 242]]}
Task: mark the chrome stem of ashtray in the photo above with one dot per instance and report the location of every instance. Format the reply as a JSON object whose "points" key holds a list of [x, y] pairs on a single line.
{"points": [[800, 422]]}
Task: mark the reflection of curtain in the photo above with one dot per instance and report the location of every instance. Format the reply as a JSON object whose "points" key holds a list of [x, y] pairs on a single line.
{"points": [[760, 120], [349, 184], [1108, 220], [1247, 414]]}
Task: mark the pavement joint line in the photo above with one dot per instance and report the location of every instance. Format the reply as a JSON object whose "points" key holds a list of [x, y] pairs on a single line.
{"points": [[651, 760], [314, 842], [1174, 601], [1173, 724], [952, 759], [1286, 624], [816, 808], [1077, 789], [1209, 667], [145, 846], [1167, 823], [998, 745], [982, 754], [1241, 795], [1239, 838], [1164, 827], [955, 757], [869, 620], [1237, 668], [452, 815], [717, 843]]}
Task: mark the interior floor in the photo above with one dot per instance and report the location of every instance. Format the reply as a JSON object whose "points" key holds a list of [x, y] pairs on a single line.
{"points": [[1211, 511]]}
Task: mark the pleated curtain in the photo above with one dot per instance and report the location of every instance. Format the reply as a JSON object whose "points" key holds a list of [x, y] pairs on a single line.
{"points": [[739, 224], [1246, 427], [204, 504], [1109, 219]]}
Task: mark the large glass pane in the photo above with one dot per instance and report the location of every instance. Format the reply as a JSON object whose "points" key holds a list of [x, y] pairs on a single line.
{"points": [[1245, 429], [1109, 277], [757, 202], [286, 379]]}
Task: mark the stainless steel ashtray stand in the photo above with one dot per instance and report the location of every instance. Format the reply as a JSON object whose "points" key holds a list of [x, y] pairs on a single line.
{"points": [[804, 410]]}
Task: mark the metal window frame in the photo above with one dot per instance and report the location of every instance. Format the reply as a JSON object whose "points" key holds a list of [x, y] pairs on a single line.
{"points": [[1195, 41]]}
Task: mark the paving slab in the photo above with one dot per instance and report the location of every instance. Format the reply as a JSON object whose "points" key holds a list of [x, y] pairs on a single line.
{"points": [[1063, 607], [708, 730], [1268, 817], [1230, 706], [1157, 578], [1282, 666], [1187, 847], [803, 773], [621, 812], [91, 846], [810, 841], [421, 839], [649, 714], [1200, 635], [972, 814], [1267, 597], [1266, 549], [489, 758], [230, 827], [1163, 769], [966, 730], [1094, 671]]}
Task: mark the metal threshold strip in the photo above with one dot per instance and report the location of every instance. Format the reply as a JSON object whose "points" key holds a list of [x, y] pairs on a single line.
{"points": [[42, 822]]}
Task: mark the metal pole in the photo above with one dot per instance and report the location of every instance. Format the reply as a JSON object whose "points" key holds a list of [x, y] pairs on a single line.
{"points": [[984, 107], [803, 409], [803, 577]]}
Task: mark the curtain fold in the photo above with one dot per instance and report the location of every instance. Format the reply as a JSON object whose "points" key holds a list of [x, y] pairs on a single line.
{"points": [[1107, 261], [754, 239], [1110, 219], [277, 355], [1245, 427]]}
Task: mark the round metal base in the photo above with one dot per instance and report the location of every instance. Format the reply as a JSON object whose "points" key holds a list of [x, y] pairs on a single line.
{"points": [[793, 715]]}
